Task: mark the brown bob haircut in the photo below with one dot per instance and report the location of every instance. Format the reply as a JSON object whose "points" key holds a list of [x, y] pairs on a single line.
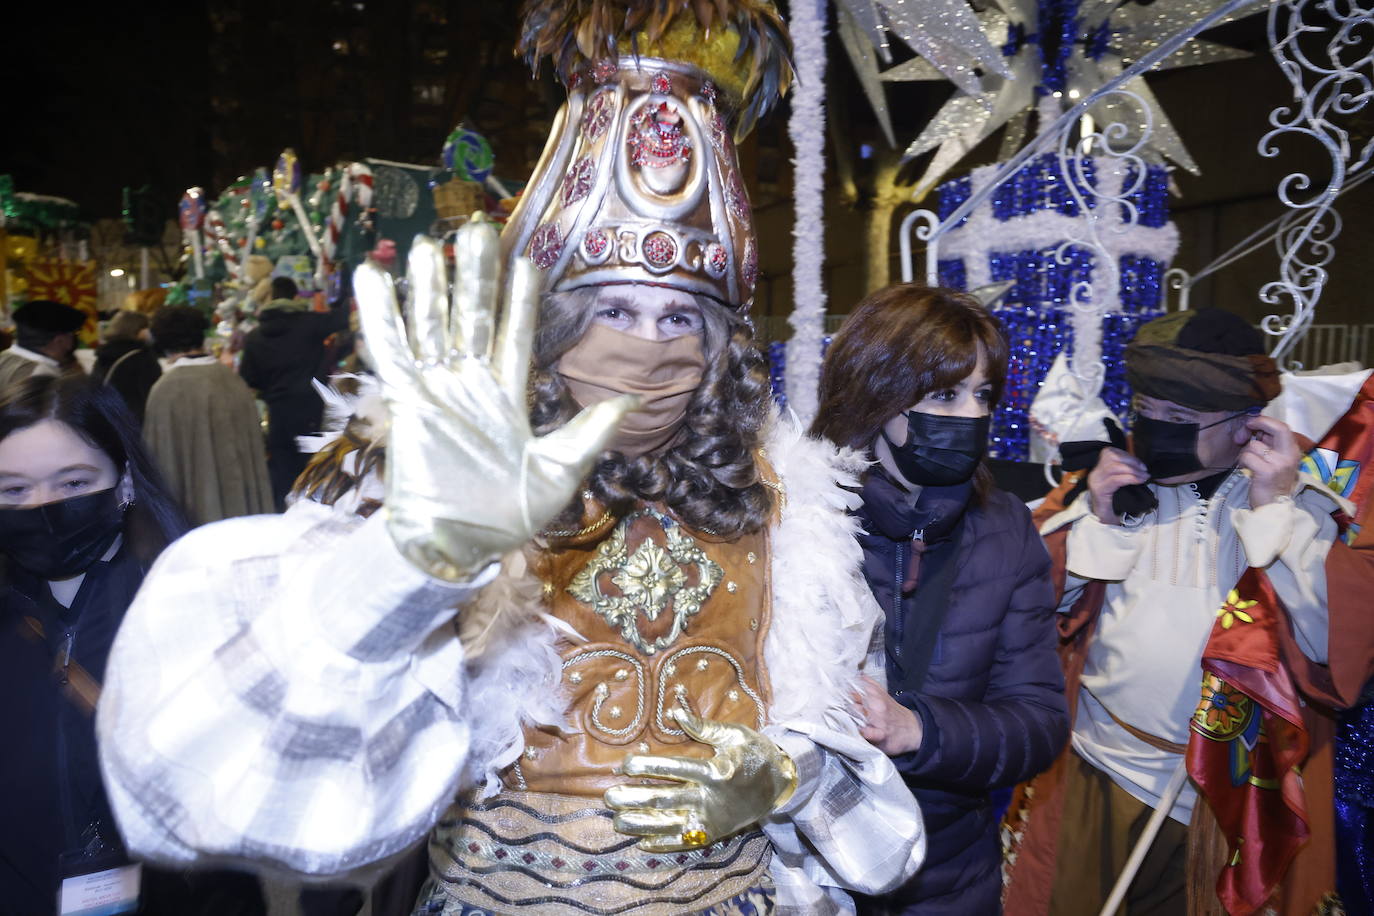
{"points": [[899, 344]]}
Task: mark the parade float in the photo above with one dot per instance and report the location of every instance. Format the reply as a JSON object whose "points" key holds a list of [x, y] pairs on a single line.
{"points": [[44, 254]]}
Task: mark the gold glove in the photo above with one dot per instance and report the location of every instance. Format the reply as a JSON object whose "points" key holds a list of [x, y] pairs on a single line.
{"points": [[747, 779], [466, 480]]}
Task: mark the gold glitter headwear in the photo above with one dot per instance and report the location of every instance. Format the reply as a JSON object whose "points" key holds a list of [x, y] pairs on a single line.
{"points": [[639, 181]]}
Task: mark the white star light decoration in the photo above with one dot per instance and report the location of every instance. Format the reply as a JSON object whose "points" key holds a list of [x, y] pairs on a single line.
{"points": [[945, 33], [1005, 62]]}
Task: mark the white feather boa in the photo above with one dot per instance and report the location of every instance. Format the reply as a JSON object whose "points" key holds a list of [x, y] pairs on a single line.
{"points": [[825, 619]]}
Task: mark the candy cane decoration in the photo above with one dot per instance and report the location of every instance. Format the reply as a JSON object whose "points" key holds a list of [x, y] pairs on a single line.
{"points": [[355, 186], [219, 235]]}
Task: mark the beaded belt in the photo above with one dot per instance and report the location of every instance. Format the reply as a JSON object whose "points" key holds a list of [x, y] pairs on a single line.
{"points": [[535, 852]]}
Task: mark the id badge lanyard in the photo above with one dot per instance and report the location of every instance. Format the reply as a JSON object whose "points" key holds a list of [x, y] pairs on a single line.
{"points": [[96, 876]]}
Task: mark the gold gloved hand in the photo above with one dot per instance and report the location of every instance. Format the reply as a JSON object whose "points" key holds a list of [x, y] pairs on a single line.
{"points": [[747, 779], [466, 479]]}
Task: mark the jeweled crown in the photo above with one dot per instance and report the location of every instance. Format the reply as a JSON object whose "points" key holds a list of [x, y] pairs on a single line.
{"points": [[640, 183]]}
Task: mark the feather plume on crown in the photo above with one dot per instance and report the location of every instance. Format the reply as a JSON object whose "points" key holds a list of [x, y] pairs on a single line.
{"points": [[742, 44]]}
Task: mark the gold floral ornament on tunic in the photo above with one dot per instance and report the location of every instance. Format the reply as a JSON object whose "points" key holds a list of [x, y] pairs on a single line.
{"points": [[651, 579]]}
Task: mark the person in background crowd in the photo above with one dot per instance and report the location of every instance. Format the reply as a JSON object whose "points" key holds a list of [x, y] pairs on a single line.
{"points": [[45, 341], [126, 362], [1207, 525], [974, 698], [281, 359], [202, 424], [83, 514]]}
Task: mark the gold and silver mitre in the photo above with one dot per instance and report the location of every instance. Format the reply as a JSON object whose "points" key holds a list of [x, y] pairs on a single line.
{"points": [[639, 181]]}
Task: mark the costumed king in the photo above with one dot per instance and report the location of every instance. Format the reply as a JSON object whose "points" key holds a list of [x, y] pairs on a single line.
{"points": [[647, 705]]}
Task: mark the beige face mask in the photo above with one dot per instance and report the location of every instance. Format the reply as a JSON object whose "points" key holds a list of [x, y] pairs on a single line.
{"points": [[664, 373]]}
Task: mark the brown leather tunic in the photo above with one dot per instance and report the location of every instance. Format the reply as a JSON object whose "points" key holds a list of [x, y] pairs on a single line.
{"points": [[670, 616]]}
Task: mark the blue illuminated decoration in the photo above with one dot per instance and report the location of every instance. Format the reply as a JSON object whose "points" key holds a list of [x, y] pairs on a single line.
{"points": [[1151, 199], [1033, 313], [1038, 186], [952, 196], [951, 273]]}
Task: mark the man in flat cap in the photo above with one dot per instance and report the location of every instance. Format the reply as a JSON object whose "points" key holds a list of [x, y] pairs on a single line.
{"points": [[1151, 556], [44, 342]]}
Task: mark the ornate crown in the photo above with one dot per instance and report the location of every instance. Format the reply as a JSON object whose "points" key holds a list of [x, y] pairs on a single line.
{"points": [[640, 181]]}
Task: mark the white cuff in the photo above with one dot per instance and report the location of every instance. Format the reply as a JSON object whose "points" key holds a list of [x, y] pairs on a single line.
{"points": [[807, 757], [1098, 551], [1267, 531]]}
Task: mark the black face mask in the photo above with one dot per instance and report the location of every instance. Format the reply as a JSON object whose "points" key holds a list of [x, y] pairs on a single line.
{"points": [[61, 539], [1170, 449], [940, 451]]}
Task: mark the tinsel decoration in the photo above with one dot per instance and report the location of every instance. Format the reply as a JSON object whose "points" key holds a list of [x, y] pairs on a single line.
{"points": [[1059, 51], [807, 130], [946, 34]]}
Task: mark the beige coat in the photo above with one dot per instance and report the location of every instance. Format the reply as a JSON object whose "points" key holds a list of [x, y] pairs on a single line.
{"points": [[203, 430]]}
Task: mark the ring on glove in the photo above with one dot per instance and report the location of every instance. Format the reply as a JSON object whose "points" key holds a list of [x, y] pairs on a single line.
{"points": [[693, 833]]}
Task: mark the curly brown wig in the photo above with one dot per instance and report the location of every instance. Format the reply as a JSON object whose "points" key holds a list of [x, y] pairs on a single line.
{"points": [[706, 476]]}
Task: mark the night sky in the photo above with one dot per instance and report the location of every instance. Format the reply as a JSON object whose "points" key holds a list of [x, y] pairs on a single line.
{"points": [[106, 95]]}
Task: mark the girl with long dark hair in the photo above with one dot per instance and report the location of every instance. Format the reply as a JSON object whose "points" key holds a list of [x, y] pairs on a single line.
{"points": [[974, 698], [83, 515]]}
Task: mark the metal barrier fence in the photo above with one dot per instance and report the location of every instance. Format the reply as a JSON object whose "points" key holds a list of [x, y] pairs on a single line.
{"points": [[1324, 344]]}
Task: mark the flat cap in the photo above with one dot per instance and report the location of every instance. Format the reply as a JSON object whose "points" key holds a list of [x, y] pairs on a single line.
{"points": [[46, 315]]}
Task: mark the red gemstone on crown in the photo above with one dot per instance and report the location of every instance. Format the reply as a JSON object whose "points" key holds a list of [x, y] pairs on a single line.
{"points": [[598, 115], [659, 249], [656, 137], [546, 246], [605, 71], [662, 85], [737, 198], [595, 243], [577, 184], [717, 259]]}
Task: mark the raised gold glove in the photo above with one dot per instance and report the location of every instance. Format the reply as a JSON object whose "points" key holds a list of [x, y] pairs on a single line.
{"points": [[466, 480], [747, 779]]}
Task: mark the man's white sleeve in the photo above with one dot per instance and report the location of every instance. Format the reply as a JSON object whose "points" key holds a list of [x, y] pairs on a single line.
{"points": [[1289, 539], [284, 689]]}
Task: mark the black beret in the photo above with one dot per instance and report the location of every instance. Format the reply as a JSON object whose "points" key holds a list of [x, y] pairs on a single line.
{"points": [[1206, 330], [46, 315]]}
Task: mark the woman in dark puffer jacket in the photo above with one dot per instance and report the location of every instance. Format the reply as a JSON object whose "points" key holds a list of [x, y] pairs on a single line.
{"points": [[975, 698]]}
